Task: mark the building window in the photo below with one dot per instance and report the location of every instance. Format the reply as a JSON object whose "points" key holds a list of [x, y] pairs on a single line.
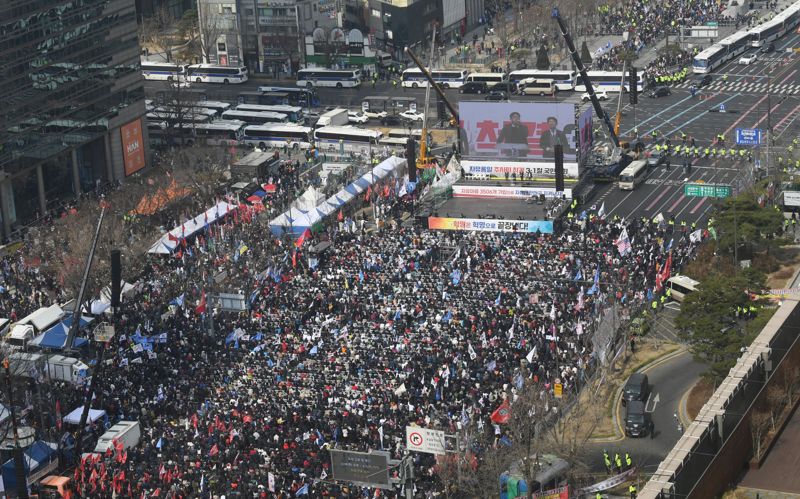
{"points": [[221, 47], [314, 6], [389, 34], [376, 13], [248, 12]]}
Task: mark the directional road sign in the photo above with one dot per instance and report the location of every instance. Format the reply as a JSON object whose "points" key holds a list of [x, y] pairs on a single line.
{"points": [[748, 136], [425, 440], [706, 190]]}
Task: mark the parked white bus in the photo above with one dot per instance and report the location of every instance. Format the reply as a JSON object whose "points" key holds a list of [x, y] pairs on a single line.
{"points": [[447, 78], [633, 175], [608, 81], [680, 286], [294, 113], [209, 73], [218, 106], [163, 71], [219, 133], [254, 117], [490, 79], [563, 80], [319, 77], [266, 136], [348, 138]]}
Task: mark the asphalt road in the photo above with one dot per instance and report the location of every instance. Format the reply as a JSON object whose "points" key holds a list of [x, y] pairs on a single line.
{"points": [[669, 382]]}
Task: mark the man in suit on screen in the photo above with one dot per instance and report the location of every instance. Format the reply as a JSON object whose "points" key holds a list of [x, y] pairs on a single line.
{"points": [[553, 137]]}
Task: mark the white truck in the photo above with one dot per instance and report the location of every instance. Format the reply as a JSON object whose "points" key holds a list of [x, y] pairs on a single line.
{"points": [[19, 336], [125, 432], [67, 369], [334, 117], [54, 367]]}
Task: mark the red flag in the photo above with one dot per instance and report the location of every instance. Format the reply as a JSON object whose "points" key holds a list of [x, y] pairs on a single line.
{"points": [[386, 191], [214, 451], [172, 238], [340, 216], [665, 272], [179, 254], [368, 194], [201, 305], [294, 259], [300, 240], [502, 414]]}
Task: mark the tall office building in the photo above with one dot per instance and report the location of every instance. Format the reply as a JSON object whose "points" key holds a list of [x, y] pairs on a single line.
{"points": [[73, 101]]}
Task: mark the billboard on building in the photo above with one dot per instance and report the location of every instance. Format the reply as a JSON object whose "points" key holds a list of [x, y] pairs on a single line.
{"points": [[585, 135], [132, 146], [524, 130]]}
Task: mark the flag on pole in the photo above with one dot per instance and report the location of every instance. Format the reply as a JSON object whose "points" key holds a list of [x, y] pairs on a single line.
{"points": [[502, 414], [305, 235], [624, 243], [602, 211], [201, 305]]}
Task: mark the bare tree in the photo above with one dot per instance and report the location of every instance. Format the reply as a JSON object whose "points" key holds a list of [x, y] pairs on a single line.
{"points": [[791, 384], [210, 25], [759, 426], [155, 31], [775, 401]]}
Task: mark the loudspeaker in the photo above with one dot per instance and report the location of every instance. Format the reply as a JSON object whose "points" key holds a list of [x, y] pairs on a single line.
{"points": [[559, 154], [116, 277], [411, 157], [633, 86]]}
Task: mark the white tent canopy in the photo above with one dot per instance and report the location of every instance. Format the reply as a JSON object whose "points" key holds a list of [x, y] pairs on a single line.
{"points": [[74, 417], [296, 219], [166, 245], [310, 199], [45, 317]]}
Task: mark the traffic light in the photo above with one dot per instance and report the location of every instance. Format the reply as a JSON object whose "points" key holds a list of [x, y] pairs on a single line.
{"points": [[441, 112], [633, 87]]}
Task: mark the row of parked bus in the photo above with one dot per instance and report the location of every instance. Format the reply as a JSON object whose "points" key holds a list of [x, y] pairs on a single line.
{"points": [[225, 132], [734, 45], [196, 73], [562, 80]]}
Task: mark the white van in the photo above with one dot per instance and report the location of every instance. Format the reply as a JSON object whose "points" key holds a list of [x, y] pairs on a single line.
{"points": [[490, 79], [680, 286], [125, 432], [535, 86]]}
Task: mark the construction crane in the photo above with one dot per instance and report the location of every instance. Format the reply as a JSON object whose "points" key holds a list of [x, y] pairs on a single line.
{"points": [[423, 156], [587, 82]]}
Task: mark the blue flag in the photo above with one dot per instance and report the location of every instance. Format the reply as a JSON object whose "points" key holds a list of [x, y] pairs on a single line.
{"points": [[302, 491], [159, 443], [456, 276], [313, 350], [499, 296], [579, 276], [178, 301]]}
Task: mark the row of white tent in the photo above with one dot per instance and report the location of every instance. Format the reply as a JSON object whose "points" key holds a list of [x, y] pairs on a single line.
{"points": [[167, 243], [302, 215]]}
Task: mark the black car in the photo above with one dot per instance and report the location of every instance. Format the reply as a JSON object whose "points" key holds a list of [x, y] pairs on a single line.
{"points": [[766, 49], [506, 86], [474, 87], [497, 95], [659, 92], [392, 120], [703, 81]]}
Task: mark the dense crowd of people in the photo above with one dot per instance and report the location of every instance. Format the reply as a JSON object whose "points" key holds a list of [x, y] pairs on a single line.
{"points": [[393, 326]]}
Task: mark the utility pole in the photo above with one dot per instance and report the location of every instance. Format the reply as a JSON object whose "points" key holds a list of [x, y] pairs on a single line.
{"points": [[19, 465]]}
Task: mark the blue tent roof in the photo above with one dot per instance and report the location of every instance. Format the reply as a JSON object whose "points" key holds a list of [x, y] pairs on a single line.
{"points": [[37, 455], [56, 338], [85, 321]]}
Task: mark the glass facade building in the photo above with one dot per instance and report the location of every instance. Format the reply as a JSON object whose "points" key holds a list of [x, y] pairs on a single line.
{"points": [[73, 102]]}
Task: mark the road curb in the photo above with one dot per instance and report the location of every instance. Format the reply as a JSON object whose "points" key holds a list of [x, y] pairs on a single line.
{"points": [[615, 419]]}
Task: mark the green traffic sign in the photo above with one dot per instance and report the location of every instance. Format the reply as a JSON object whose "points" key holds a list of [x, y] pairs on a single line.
{"points": [[706, 190]]}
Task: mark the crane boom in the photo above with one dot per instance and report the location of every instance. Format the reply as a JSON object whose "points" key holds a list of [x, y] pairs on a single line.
{"points": [[589, 87], [432, 83]]}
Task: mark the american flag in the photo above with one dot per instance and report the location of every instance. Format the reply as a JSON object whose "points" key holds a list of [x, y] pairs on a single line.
{"points": [[623, 243]]}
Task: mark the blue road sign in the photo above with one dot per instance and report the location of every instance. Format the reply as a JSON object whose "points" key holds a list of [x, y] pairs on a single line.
{"points": [[748, 136], [722, 108]]}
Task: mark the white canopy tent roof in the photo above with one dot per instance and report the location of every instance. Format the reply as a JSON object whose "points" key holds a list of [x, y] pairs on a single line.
{"points": [[297, 220], [165, 245], [74, 417], [310, 199]]}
